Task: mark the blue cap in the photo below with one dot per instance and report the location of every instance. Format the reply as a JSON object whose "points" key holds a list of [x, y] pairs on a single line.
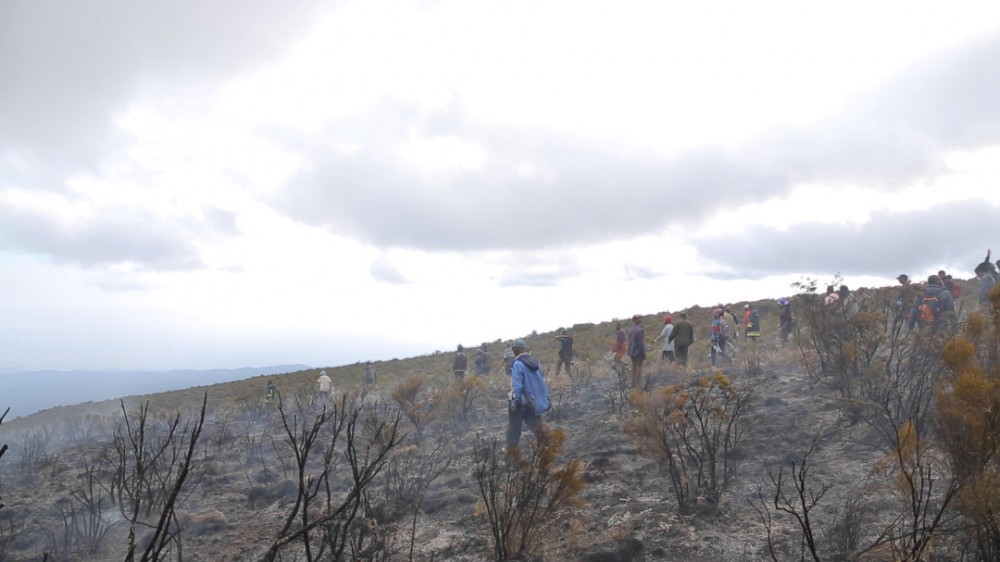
{"points": [[519, 344]]}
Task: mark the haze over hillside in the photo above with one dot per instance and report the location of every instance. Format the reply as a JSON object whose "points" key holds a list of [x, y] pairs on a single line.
{"points": [[29, 392]]}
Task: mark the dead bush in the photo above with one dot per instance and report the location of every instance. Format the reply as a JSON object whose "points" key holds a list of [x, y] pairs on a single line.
{"points": [[524, 493], [695, 432]]}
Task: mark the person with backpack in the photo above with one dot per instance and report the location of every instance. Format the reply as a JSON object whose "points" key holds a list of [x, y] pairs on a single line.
{"points": [[529, 397], [933, 307], [949, 283], [369, 373], [271, 393], [482, 361], [682, 336]]}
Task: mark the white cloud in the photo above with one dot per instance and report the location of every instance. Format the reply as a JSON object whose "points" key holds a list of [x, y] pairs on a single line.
{"points": [[208, 182]]}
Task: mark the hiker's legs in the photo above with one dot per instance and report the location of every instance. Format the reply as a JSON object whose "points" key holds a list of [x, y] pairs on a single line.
{"points": [[723, 342], [637, 371], [715, 346], [514, 420], [681, 351], [534, 423], [563, 361]]}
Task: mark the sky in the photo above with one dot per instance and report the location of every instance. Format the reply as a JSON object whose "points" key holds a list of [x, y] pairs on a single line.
{"points": [[222, 184]]}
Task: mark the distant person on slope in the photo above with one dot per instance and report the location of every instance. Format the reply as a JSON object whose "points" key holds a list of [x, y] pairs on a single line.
{"points": [[636, 349], [987, 280], [565, 351], [668, 346], [324, 387], [270, 393], [785, 319], [719, 329], [460, 364], [907, 292], [735, 323], [682, 336], [753, 323], [746, 321], [934, 307], [621, 343], [508, 359], [369, 373], [482, 361], [529, 397]]}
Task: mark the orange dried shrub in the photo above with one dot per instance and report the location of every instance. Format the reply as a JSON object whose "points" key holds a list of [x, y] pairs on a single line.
{"points": [[968, 415], [693, 431]]}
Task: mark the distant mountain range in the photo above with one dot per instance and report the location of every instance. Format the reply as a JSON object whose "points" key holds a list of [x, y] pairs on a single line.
{"points": [[29, 392]]}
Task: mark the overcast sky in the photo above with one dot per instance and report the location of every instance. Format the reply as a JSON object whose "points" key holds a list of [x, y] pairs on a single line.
{"points": [[194, 184]]}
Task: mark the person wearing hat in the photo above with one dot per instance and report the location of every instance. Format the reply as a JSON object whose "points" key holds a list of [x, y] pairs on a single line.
{"points": [[636, 349], [529, 397], [668, 346], [682, 336]]}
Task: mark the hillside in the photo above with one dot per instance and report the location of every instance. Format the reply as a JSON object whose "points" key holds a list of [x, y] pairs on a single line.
{"points": [[62, 491]]}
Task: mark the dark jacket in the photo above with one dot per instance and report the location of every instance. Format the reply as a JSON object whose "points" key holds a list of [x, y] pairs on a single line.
{"points": [[946, 303], [461, 362], [637, 341], [683, 333]]}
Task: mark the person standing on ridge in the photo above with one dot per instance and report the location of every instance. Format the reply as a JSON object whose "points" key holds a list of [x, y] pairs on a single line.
{"points": [[987, 281], [621, 343], [682, 336], [746, 321], [636, 349], [719, 328], [565, 351], [508, 359], [668, 346], [753, 323], [482, 361], [271, 393], [907, 292], [324, 387], [735, 323], [460, 364], [934, 308], [785, 319], [529, 397], [369, 373]]}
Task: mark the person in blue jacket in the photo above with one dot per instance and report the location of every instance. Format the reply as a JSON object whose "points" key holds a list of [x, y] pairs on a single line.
{"points": [[529, 397]]}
